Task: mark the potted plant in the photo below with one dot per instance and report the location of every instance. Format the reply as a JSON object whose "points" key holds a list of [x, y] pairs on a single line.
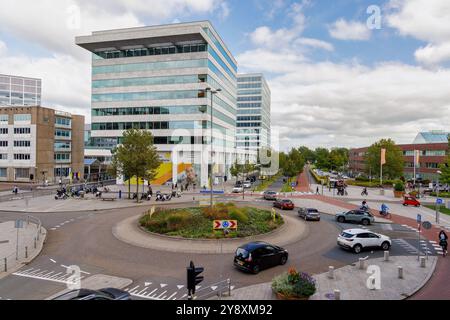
{"points": [[399, 189], [293, 285]]}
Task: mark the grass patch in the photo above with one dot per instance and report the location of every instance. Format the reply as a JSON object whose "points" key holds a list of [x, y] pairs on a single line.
{"points": [[442, 209], [287, 186], [441, 194], [198, 222], [266, 183]]}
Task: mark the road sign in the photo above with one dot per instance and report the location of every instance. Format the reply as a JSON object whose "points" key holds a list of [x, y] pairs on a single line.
{"points": [[18, 224], [225, 224], [293, 184], [439, 201], [419, 218], [427, 225]]}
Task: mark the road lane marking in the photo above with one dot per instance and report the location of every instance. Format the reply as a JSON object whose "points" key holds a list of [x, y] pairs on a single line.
{"points": [[173, 294], [52, 260]]}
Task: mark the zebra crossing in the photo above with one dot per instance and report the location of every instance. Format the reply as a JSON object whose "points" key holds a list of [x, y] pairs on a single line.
{"points": [[49, 275], [162, 291], [426, 247]]}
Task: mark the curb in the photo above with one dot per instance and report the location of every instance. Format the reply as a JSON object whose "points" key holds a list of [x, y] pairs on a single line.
{"points": [[427, 279], [30, 258]]}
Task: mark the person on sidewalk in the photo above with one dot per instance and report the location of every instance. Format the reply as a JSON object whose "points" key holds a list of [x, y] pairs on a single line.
{"points": [[443, 242], [317, 191]]}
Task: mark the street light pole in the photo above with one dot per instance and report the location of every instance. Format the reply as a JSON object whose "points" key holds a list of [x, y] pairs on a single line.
{"points": [[437, 205], [213, 92]]}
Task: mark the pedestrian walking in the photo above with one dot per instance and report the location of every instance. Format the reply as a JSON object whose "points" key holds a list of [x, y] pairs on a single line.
{"points": [[443, 242], [317, 190]]}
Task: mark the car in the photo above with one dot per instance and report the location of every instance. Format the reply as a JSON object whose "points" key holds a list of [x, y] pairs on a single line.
{"points": [[247, 184], [102, 294], [357, 240], [256, 256], [309, 214], [270, 195], [358, 216], [410, 201], [284, 204], [238, 189]]}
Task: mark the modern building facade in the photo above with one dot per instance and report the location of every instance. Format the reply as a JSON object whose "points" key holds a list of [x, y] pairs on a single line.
{"points": [[253, 114], [156, 78], [40, 144], [432, 148], [19, 91]]}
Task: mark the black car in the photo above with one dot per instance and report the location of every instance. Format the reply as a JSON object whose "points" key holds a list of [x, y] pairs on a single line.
{"points": [[257, 256], [309, 214], [102, 294]]}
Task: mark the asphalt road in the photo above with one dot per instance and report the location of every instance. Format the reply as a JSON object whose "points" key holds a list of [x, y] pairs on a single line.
{"points": [[85, 239], [277, 185]]}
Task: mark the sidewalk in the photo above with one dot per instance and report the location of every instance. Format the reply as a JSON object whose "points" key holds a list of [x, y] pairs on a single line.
{"points": [[31, 241], [352, 282]]}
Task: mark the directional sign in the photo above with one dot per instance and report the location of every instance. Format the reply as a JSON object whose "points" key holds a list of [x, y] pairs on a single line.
{"points": [[427, 225], [19, 224], [225, 224], [439, 201], [419, 218], [293, 184]]}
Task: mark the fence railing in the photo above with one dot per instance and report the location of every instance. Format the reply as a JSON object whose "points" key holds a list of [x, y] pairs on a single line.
{"points": [[219, 289]]}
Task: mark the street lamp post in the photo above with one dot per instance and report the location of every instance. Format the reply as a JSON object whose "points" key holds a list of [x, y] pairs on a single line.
{"points": [[213, 92], [437, 205]]}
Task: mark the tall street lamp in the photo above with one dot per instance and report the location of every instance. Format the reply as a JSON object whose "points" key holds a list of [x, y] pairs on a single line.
{"points": [[437, 206], [213, 92]]}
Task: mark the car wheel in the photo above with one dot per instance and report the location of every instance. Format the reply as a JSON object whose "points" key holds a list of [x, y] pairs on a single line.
{"points": [[417, 205], [283, 260], [341, 219], [255, 269], [357, 248], [385, 246], [365, 222], [405, 205]]}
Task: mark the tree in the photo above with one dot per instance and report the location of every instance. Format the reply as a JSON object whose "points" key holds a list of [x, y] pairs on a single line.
{"points": [[308, 154], [338, 158], [136, 156], [323, 159], [445, 167], [393, 168], [292, 163]]}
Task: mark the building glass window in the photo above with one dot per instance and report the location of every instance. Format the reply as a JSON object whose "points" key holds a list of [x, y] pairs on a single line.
{"points": [[3, 172], [22, 130], [22, 118], [22, 156], [22, 173]]}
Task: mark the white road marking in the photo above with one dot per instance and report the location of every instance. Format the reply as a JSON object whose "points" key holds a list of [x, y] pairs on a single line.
{"points": [[162, 294], [214, 288], [180, 287], [163, 285], [37, 277], [134, 288], [152, 292], [173, 294], [52, 260], [148, 284]]}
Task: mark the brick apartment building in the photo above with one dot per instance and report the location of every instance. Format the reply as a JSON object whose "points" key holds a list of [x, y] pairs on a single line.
{"points": [[432, 147]]}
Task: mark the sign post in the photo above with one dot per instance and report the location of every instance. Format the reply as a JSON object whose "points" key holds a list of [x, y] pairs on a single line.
{"points": [[18, 225], [419, 223]]}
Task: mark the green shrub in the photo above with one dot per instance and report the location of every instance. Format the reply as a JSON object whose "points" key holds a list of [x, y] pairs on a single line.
{"points": [[239, 214], [399, 186]]}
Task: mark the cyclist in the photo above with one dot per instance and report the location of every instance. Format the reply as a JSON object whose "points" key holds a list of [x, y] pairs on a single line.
{"points": [[384, 210], [443, 242], [364, 192]]}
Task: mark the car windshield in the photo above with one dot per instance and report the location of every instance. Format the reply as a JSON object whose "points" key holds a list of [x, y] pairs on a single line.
{"points": [[347, 235], [287, 201], [241, 253]]}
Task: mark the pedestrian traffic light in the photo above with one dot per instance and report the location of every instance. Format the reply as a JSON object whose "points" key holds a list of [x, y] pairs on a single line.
{"points": [[193, 278]]}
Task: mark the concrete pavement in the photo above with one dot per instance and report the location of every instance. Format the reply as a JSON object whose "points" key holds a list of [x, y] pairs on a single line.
{"points": [[351, 281], [19, 246]]}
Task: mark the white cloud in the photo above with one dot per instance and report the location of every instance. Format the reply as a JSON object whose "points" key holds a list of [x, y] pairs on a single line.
{"points": [[315, 43], [426, 20], [224, 10], [349, 30], [349, 104], [3, 48]]}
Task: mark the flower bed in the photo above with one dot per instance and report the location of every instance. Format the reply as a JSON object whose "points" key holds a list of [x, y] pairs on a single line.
{"points": [[294, 285]]}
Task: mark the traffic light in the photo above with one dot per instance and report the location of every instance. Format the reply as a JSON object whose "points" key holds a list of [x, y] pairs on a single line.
{"points": [[193, 278]]}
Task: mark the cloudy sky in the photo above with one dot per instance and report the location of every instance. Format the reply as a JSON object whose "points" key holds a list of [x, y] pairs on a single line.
{"points": [[340, 74]]}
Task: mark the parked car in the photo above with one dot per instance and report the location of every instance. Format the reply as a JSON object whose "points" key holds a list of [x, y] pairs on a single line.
{"points": [[247, 184], [359, 216], [284, 204], [410, 201], [270, 195], [102, 294], [309, 214], [238, 189], [359, 239], [257, 256]]}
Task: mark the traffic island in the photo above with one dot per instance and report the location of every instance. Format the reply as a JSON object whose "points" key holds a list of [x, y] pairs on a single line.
{"points": [[291, 230]]}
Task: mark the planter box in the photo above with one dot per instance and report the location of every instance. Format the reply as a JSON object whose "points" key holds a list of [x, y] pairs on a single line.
{"points": [[399, 194], [281, 296]]}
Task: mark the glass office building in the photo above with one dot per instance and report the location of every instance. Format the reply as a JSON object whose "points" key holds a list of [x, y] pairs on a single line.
{"points": [[253, 114], [19, 91], [154, 78]]}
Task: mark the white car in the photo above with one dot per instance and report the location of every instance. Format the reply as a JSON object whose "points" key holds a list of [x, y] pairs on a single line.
{"points": [[238, 189], [247, 184], [359, 239]]}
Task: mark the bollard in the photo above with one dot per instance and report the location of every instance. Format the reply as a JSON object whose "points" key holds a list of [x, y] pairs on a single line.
{"points": [[331, 272], [229, 287], [26, 252], [6, 264], [400, 272], [337, 294], [386, 256], [35, 244], [362, 263], [423, 262]]}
